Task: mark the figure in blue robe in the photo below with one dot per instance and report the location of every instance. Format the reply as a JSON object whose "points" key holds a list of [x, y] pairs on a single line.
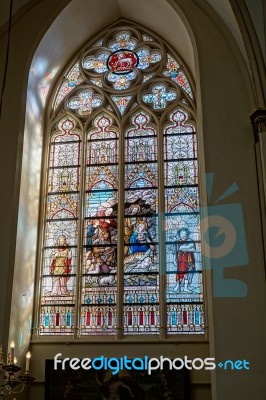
{"points": [[140, 239]]}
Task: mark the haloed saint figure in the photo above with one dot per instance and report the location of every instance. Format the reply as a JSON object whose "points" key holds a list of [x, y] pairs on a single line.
{"points": [[185, 260], [60, 267]]}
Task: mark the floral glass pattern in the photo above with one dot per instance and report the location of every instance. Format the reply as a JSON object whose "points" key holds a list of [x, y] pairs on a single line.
{"points": [[85, 102]]}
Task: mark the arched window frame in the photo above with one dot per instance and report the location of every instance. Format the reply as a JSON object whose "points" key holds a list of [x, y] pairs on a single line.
{"points": [[186, 103]]}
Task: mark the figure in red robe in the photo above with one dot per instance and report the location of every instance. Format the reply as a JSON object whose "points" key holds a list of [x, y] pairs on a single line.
{"points": [[185, 260], [105, 210]]}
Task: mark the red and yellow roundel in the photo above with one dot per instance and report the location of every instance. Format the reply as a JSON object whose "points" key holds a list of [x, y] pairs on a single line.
{"points": [[122, 61]]}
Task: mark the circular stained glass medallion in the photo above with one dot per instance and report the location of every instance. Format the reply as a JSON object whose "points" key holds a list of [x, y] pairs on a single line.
{"points": [[122, 61]]}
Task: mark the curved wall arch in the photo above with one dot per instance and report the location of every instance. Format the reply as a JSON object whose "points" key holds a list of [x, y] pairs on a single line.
{"points": [[71, 29]]}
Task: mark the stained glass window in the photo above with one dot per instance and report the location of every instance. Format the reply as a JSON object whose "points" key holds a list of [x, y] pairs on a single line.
{"points": [[99, 286], [121, 241]]}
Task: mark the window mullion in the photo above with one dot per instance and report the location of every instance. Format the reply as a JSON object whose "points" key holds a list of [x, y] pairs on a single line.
{"points": [[120, 238], [161, 235], [80, 241]]}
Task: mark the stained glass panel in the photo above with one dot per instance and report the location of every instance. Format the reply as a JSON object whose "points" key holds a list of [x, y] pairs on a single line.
{"points": [[146, 38], [147, 77], [180, 147], [147, 57], [120, 59], [182, 81], [97, 82], [48, 257], [141, 175], [179, 123], [103, 177], [99, 319], [64, 153], [121, 102], [97, 63], [64, 204], [85, 102], [185, 318], [52, 284], [182, 232], [182, 199], [123, 40], [174, 72], [73, 78], [100, 229], [121, 82], [103, 153], [57, 320], [141, 228], [183, 263], [142, 318], [159, 96], [60, 247], [141, 142], [181, 173]]}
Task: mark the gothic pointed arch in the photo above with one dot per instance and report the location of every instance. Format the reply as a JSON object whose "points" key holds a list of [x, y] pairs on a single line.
{"points": [[121, 247]]}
